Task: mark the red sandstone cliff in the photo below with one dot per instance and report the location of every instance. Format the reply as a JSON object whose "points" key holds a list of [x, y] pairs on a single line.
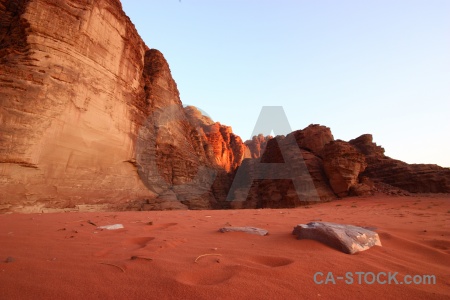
{"points": [[256, 146], [223, 147], [90, 115], [72, 101]]}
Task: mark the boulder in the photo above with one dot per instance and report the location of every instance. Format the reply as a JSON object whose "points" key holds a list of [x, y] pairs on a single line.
{"points": [[313, 138], [345, 238]]}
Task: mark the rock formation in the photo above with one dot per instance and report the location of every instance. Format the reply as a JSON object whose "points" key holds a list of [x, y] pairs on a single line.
{"points": [[414, 178], [313, 138], [89, 115], [342, 164], [222, 146], [170, 151], [223, 149], [256, 146], [281, 192]]}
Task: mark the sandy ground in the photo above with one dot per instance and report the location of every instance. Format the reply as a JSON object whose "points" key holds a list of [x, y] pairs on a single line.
{"points": [[63, 256]]}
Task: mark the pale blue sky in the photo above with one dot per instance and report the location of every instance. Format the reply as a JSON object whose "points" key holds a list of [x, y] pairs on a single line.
{"points": [[380, 67]]}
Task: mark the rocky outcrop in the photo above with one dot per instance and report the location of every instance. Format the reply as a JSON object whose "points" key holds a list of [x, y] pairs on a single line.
{"points": [[366, 146], [256, 146], [90, 115], [279, 191], [170, 152], [414, 178], [313, 138], [342, 164], [223, 148]]}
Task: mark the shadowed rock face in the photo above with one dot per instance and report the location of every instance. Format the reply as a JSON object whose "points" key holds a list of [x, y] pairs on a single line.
{"points": [[256, 146], [415, 178], [342, 164], [281, 193]]}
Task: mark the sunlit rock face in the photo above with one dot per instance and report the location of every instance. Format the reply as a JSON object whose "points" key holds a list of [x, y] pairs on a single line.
{"points": [[72, 102], [223, 148]]}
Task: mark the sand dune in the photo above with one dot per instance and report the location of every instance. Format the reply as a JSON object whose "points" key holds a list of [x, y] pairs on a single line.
{"points": [[61, 255]]}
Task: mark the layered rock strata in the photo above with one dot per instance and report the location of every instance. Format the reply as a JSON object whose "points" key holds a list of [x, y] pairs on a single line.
{"points": [[414, 178], [72, 102]]}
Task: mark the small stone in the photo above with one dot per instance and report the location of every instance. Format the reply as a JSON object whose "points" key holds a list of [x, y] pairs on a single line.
{"points": [[111, 227], [251, 230], [10, 259]]}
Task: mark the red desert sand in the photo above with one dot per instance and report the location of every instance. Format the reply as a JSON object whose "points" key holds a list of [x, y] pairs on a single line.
{"points": [[181, 254]]}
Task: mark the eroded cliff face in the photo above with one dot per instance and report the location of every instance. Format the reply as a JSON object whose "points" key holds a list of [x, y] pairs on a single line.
{"points": [[72, 102], [256, 146], [222, 147], [170, 152], [90, 115]]}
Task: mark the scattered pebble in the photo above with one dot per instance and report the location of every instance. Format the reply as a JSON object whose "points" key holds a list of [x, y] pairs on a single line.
{"points": [[111, 227], [251, 230]]}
